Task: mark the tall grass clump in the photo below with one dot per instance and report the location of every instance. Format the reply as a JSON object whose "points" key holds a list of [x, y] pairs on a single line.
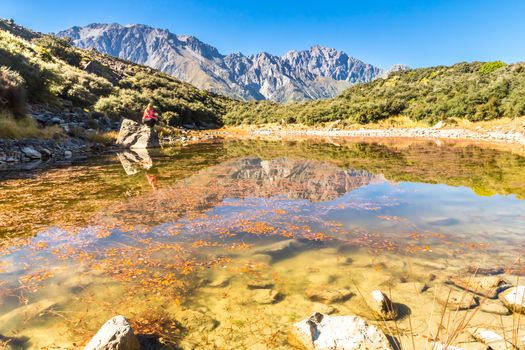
{"points": [[24, 127], [12, 92]]}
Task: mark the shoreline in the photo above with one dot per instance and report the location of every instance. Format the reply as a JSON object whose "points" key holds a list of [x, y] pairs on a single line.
{"points": [[494, 137]]}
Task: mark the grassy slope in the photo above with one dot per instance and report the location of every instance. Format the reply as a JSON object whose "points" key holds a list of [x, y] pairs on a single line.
{"points": [[53, 72]]}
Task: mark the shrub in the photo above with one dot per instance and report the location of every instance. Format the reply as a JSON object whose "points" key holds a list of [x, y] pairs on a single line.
{"points": [[12, 92], [490, 67]]}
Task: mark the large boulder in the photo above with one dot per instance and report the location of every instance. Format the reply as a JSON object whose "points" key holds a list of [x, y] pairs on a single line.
{"points": [[115, 334], [136, 136], [323, 332]]}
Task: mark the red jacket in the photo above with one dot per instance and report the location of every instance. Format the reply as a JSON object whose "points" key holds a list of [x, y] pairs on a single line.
{"points": [[149, 113]]}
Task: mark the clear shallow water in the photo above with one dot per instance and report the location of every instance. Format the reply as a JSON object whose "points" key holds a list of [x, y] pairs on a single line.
{"points": [[182, 241]]}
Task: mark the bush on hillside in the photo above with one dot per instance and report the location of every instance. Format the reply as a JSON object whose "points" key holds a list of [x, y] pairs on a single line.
{"points": [[12, 92], [49, 46]]}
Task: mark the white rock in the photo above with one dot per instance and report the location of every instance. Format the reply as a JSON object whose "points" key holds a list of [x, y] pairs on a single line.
{"points": [[514, 299], [323, 332], [439, 125], [115, 334], [492, 339], [382, 306], [68, 154]]}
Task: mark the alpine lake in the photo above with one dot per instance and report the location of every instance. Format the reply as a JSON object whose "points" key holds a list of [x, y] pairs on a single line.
{"points": [[226, 244]]}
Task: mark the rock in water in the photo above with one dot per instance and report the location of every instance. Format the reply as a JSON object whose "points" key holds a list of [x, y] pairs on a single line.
{"points": [[265, 296], [382, 306], [487, 286], [491, 339], [514, 299], [115, 334], [321, 294], [494, 307], [323, 332], [456, 300], [134, 135]]}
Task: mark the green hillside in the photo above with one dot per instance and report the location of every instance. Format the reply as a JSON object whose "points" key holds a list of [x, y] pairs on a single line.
{"points": [[36, 68], [474, 91]]}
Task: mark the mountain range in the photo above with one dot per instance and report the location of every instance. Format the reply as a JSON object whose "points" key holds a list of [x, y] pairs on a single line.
{"points": [[316, 73]]}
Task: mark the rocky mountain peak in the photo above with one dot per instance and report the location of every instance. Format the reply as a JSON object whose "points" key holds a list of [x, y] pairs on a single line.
{"points": [[318, 72]]}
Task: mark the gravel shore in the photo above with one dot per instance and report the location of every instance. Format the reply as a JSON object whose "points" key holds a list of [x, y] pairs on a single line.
{"points": [[511, 137]]}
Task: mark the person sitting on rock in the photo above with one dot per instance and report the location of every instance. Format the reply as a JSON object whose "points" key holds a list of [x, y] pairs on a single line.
{"points": [[150, 117]]}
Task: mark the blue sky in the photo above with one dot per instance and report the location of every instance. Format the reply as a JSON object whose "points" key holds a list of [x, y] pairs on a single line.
{"points": [[415, 33]]}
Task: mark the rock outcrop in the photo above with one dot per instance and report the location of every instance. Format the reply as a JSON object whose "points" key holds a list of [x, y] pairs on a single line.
{"points": [[136, 136], [115, 334], [323, 332]]}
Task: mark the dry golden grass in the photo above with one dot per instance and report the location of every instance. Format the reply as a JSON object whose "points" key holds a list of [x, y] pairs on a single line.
{"points": [[25, 128], [106, 138]]}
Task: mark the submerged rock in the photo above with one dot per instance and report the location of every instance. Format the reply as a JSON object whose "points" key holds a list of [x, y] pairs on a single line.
{"points": [[220, 281], [135, 136], [494, 307], [260, 284], [328, 295], [487, 286], [493, 340], [456, 300], [382, 307], [266, 296], [323, 308], [323, 332], [514, 299], [196, 321], [115, 334]]}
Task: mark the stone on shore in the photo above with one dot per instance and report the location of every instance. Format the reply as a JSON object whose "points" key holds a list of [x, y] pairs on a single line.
{"points": [[115, 334], [31, 153], [136, 136], [456, 300], [323, 332], [487, 286], [382, 307], [514, 299]]}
